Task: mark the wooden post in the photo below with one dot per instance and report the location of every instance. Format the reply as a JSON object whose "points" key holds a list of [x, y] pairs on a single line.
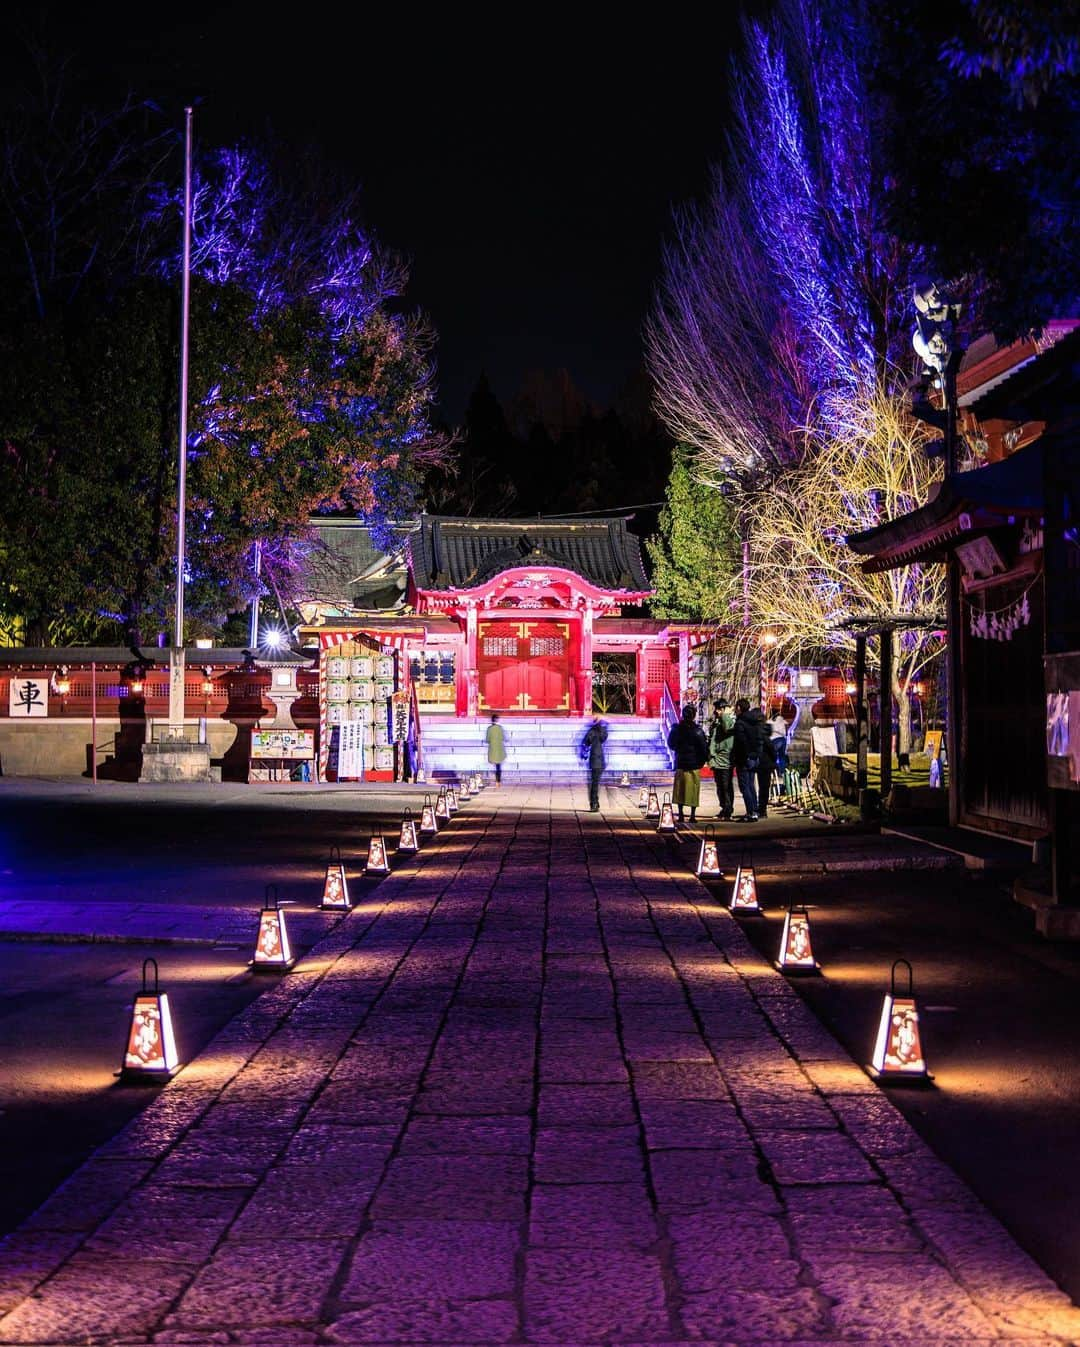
{"points": [[885, 719], [93, 722], [862, 718]]}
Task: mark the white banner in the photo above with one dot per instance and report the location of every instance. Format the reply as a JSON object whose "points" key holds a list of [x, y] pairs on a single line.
{"points": [[351, 751]]}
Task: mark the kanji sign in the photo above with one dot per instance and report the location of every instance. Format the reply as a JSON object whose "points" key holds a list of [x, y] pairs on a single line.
{"points": [[28, 697]]}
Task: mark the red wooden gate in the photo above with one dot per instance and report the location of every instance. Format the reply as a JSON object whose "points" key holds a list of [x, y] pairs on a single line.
{"points": [[524, 666]]}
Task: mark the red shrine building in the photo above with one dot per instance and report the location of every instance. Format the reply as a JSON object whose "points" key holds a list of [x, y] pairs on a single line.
{"points": [[535, 619]]}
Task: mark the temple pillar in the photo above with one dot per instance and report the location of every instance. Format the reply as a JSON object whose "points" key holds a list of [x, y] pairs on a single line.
{"points": [[584, 679], [470, 672]]}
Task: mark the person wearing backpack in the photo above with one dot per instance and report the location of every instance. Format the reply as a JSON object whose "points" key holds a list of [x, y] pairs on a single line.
{"points": [[687, 741], [592, 754]]}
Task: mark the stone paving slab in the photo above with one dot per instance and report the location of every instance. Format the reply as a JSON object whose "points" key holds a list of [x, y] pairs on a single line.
{"points": [[546, 1093]]}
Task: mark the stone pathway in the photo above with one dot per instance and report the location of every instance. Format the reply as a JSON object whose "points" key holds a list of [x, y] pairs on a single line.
{"points": [[545, 1092]]}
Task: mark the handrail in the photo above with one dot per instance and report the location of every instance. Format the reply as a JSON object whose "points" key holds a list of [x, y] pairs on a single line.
{"points": [[669, 717]]}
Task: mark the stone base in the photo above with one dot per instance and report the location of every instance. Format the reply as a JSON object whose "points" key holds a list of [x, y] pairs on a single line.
{"points": [[175, 760]]}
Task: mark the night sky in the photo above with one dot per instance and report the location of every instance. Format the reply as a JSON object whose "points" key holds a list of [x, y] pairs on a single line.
{"points": [[526, 164]]}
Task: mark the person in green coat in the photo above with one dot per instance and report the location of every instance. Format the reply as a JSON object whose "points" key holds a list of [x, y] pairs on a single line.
{"points": [[496, 746], [721, 738]]}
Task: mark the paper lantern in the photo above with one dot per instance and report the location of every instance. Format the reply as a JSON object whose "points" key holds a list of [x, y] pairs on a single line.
{"points": [[151, 1048], [464, 792], [624, 780], [272, 952], [643, 797], [335, 896], [898, 1053], [377, 861], [652, 807], [708, 865], [408, 841], [451, 799], [429, 824], [478, 783], [744, 890], [796, 953], [667, 817], [442, 806]]}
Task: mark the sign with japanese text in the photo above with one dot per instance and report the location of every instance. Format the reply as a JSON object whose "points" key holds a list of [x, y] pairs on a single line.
{"points": [[295, 744], [399, 702], [28, 697]]}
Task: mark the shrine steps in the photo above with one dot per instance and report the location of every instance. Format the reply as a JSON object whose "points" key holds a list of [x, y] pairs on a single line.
{"points": [[542, 748]]}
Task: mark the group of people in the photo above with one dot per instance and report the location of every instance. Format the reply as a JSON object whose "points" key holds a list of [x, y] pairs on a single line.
{"points": [[741, 745]]}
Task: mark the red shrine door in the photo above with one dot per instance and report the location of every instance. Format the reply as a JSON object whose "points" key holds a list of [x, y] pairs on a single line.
{"points": [[524, 666]]}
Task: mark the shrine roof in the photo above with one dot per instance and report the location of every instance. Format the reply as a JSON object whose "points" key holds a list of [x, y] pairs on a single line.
{"points": [[454, 552], [345, 566], [964, 505]]}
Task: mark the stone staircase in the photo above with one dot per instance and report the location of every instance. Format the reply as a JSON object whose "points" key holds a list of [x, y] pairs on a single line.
{"points": [[543, 748]]}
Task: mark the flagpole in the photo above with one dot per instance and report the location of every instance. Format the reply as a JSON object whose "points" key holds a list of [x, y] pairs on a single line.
{"points": [[176, 660]]}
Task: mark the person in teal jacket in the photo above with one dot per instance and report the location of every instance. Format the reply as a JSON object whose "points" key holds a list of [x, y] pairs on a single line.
{"points": [[721, 737]]}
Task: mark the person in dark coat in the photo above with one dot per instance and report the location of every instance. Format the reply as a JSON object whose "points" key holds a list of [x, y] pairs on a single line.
{"points": [[592, 750], [687, 741], [751, 734]]}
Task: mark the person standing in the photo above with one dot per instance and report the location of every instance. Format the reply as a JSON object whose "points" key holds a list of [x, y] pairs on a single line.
{"points": [[778, 730], [721, 738], [751, 731], [496, 746], [687, 741], [592, 751]]}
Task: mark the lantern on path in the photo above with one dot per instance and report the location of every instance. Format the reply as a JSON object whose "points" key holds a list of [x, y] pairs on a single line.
{"points": [[150, 1054], [744, 899], [708, 865], [667, 817], [898, 1054], [478, 783], [652, 806], [451, 799], [407, 841], [335, 895], [429, 824], [272, 952], [624, 780], [465, 792], [643, 797], [378, 862], [442, 806], [796, 953]]}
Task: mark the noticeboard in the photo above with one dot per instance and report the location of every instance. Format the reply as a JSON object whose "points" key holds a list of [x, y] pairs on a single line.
{"points": [[294, 745]]}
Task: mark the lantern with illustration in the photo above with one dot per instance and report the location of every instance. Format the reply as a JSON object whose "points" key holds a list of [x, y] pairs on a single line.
{"points": [[464, 792], [429, 824], [624, 780], [378, 861], [898, 1053], [335, 896], [452, 799], [643, 797], [407, 840], [744, 898], [667, 817], [272, 952], [708, 866], [796, 953], [150, 1054], [442, 806], [478, 783], [652, 805]]}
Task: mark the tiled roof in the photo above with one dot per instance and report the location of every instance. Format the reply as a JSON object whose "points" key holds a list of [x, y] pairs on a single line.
{"points": [[460, 553], [345, 567]]}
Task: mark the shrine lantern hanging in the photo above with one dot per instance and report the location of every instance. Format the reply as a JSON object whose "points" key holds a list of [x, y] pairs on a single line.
{"points": [[898, 1054], [378, 862], [151, 1048], [796, 953], [652, 806], [272, 952], [708, 866], [442, 806], [744, 899], [407, 841], [429, 824], [667, 817], [335, 897]]}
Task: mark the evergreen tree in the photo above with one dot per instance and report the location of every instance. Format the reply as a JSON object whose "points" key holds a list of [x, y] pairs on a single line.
{"points": [[696, 556]]}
